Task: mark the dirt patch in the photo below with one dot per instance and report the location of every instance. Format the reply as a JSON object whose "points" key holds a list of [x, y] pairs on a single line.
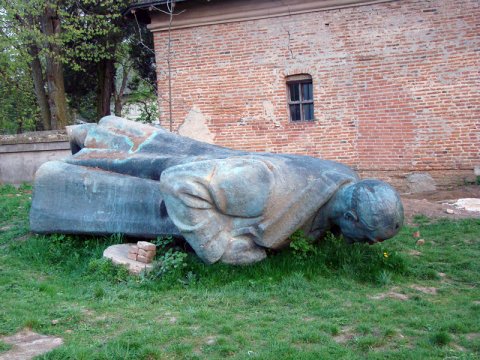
{"points": [[345, 335], [211, 340], [23, 237], [458, 347], [414, 253], [473, 336], [27, 344], [392, 294], [439, 204], [425, 289], [169, 318]]}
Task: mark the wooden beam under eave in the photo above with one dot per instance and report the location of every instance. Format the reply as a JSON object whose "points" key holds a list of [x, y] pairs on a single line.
{"points": [[221, 12]]}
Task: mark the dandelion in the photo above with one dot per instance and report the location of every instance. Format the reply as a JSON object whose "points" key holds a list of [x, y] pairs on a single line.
{"points": [[385, 254]]}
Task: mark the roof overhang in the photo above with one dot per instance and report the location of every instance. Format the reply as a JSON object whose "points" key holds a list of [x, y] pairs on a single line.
{"points": [[141, 9], [208, 12]]}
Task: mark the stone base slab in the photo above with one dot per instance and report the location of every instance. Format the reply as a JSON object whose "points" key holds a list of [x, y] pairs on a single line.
{"points": [[119, 255]]}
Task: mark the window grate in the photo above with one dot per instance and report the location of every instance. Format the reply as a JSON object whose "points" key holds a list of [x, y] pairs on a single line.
{"points": [[300, 98]]}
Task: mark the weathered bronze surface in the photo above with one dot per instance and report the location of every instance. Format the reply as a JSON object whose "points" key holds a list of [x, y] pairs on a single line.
{"points": [[125, 177]]}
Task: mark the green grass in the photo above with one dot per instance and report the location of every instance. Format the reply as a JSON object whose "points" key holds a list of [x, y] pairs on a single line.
{"points": [[4, 347], [321, 306]]}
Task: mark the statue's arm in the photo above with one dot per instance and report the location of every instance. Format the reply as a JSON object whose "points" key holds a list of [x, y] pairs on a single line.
{"points": [[216, 205], [112, 132]]}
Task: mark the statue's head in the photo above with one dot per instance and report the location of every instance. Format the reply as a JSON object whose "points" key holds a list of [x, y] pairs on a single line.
{"points": [[374, 212]]}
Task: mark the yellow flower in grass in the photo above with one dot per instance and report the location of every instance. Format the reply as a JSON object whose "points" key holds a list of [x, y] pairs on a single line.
{"points": [[385, 254]]}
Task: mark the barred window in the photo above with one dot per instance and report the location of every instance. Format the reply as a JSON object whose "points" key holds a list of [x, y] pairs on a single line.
{"points": [[300, 97]]}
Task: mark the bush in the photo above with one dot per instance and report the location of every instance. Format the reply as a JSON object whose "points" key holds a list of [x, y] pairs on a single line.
{"points": [[171, 259], [302, 245]]}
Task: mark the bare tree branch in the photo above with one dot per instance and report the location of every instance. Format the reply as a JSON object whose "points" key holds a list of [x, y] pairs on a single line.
{"points": [[140, 33]]}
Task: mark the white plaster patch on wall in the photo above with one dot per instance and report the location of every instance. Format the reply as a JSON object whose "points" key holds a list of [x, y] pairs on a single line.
{"points": [[195, 126], [269, 111], [438, 129]]}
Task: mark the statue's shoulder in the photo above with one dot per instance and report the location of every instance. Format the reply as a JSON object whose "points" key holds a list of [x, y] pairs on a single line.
{"points": [[308, 166]]}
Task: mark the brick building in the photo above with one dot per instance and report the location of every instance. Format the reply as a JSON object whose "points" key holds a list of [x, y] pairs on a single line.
{"points": [[391, 88]]}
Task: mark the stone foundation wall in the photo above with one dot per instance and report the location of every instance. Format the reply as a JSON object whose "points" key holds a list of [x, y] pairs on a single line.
{"points": [[21, 155], [439, 179]]}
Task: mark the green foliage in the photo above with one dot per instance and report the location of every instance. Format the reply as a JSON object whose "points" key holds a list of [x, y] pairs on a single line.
{"points": [[4, 347], [76, 253], [86, 106], [189, 279], [105, 269], [302, 245], [91, 34], [171, 263], [366, 263], [420, 219], [15, 203], [89, 29], [59, 252], [18, 108], [441, 338], [384, 278], [170, 259], [361, 261], [144, 96], [92, 30], [163, 243]]}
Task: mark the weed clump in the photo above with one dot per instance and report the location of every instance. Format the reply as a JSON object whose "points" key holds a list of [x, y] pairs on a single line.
{"points": [[441, 338], [170, 260], [302, 245], [359, 261]]}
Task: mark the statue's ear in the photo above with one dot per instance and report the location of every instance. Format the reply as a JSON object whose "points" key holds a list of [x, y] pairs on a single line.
{"points": [[351, 216]]}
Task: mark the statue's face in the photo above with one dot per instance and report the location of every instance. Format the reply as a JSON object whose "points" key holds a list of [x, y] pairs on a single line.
{"points": [[355, 229], [361, 228], [375, 214]]}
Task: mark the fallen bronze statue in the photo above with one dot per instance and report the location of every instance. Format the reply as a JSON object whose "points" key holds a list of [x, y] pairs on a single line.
{"points": [[229, 205]]}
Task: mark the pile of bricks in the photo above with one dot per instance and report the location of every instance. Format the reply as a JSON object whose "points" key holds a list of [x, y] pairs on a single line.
{"points": [[143, 252]]}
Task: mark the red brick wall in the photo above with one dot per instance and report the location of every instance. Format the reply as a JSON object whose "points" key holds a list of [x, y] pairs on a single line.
{"points": [[396, 85]]}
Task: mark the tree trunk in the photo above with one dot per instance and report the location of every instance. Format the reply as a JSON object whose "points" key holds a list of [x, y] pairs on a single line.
{"points": [[118, 106], [39, 88], [54, 70], [118, 95], [105, 71]]}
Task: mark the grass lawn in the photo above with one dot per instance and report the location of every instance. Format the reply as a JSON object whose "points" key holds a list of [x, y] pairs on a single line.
{"points": [[393, 300]]}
